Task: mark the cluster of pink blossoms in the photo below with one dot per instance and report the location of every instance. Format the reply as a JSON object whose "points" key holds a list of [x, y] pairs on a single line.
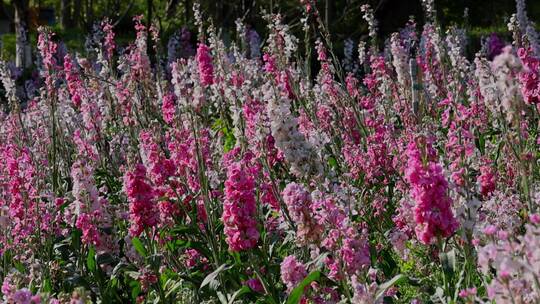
{"points": [[74, 82], [108, 42], [194, 258], [487, 179], [514, 262], [19, 195], [240, 209], [301, 210], [22, 296], [168, 109], [530, 77], [345, 241], [159, 167], [292, 272], [433, 210], [47, 49], [204, 62], [90, 233], [143, 211]]}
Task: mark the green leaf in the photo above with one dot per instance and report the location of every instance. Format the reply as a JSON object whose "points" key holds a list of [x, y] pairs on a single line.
{"points": [[448, 261], [119, 269], [438, 296], [318, 261], [387, 264], [155, 260], [91, 259], [46, 287], [133, 274], [384, 287], [222, 297], [187, 230], [19, 266], [139, 247], [217, 125], [298, 291], [173, 286], [135, 289], [481, 143], [236, 257], [238, 293], [105, 258], [332, 162], [76, 239], [211, 279], [229, 143], [179, 244]]}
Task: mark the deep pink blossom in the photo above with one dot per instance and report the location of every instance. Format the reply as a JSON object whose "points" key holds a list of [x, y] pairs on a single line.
{"points": [[240, 209], [108, 43], [487, 179], [75, 86], [168, 108], [530, 77], [90, 233], [204, 63], [143, 212], [433, 210], [255, 285]]}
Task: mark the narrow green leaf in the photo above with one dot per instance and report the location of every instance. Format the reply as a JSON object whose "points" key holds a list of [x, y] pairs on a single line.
{"points": [[298, 291], [222, 297], [332, 162], [139, 247], [118, 269], [448, 261], [135, 289], [318, 261], [47, 287], [238, 293], [174, 287], [211, 278], [91, 259], [19, 266], [384, 287]]}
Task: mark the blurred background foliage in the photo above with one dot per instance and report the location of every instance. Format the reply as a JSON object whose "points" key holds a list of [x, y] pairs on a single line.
{"points": [[73, 19]]}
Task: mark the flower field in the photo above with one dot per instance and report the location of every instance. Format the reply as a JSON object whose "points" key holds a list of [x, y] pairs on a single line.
{"points": [[265, 169]]}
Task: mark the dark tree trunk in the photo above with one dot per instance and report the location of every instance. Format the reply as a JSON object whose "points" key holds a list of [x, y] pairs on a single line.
{"points": [[77, 13], [329, 10], [149, 8], [170, 10], [65, 13], [89, 14], [187, 10], [219, 12], [23, 55]]}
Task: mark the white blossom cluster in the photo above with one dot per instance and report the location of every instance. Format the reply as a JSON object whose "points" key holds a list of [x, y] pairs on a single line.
{"points": [[400, 59], [526, 27], [505, 66], [456, 42], [369, 16], [429, 8], [486, 83], [362, 56], [298, 152], [280, 39]]}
